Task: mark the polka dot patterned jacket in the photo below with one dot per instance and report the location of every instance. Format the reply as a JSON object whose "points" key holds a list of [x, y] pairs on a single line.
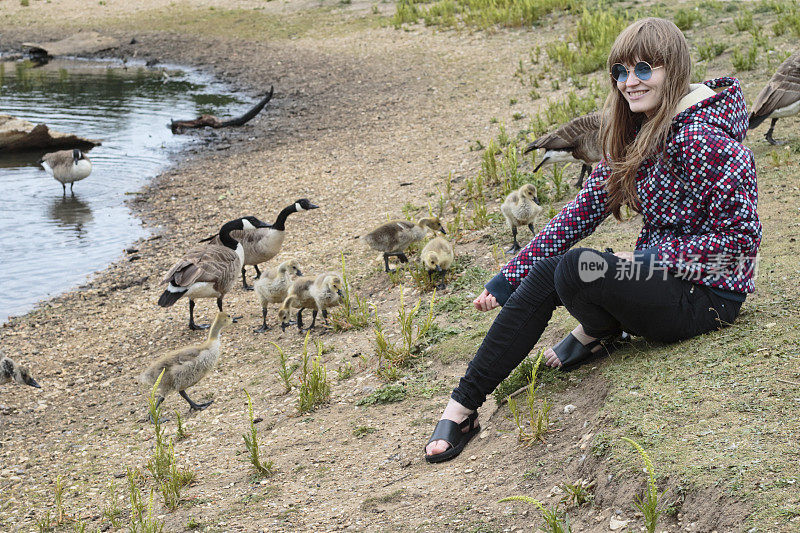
{"points": [[697, 200]]}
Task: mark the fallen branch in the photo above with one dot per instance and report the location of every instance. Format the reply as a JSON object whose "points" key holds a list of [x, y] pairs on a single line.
{"points": [[179, 126]]}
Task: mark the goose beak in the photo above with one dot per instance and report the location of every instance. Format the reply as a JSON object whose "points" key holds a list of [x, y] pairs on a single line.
{"points": [[32, 383], [438, 268], [536, 201], [443, 231], [339, 292], [312, 206], [299, 273]]}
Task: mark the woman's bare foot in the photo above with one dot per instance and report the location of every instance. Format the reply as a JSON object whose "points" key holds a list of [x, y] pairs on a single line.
{"points": [[550, 357], [457, 413]]}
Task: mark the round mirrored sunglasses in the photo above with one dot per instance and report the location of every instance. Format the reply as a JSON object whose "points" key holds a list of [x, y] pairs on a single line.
{"points": [[641, 70]]}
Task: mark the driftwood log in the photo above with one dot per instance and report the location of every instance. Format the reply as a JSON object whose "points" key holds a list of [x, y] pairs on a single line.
{"points": [[179, 126]]}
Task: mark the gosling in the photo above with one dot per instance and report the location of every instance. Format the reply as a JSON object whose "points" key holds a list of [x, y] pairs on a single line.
{"points": [[273, 286], [437, 256], [319, 294], [520, 208], [11, 371], [186, 366], [392, 238]]}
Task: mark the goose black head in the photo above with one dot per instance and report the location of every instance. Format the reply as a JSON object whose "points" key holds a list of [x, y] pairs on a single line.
{"points": [[27, 379], [252, 223], [304, 205]]}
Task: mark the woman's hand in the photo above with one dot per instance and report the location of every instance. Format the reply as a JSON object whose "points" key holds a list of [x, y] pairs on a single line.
{"points": [[628, 256], [485, 302]]}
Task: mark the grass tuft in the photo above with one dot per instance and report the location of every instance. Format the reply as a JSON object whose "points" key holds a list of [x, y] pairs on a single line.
{"points": [[260, 469], [649, 504]]}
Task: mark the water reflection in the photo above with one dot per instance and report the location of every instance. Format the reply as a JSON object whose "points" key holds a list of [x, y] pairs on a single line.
{"points": [[68, 238], [72, 213]]}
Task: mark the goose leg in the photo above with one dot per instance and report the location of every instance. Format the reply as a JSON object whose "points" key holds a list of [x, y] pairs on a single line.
{"points": [[71, 185], [64, 188], [530, 227], [300, 319], [768, 136], [514, 247], [386, 261], [258, 272], [263, 327], [245, 286], [325, 315], [313, 320], [584, 170], [192, 325], [402, 257], [195, 406]]}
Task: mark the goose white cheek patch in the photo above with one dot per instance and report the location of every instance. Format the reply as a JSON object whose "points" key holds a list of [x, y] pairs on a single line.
{"points": [[298, 207], [247, 225]]}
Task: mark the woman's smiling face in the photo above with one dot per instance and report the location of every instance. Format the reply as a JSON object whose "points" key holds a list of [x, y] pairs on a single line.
{"points": [[643, 96]]}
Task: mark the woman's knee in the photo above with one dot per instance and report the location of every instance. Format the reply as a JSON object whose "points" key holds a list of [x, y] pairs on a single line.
{"points": [[568, 273]]}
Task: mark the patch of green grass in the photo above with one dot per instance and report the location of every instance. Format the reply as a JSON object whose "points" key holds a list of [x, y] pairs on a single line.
{"points": [[686, 18], [587, 50], [745, 60], [390, 393], [479, 13], [362, 431], [710, 49]]}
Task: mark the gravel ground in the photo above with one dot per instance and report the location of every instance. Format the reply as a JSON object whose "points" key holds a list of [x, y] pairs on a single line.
{"points": [[360, 124]]}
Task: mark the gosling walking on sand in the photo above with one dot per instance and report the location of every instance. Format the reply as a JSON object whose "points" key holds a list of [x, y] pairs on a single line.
{"points": [[186, 366], [392, 238]]}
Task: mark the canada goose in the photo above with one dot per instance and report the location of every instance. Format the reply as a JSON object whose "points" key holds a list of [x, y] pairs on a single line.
{"points": [[261, 245], [317, 293], [273, 285], [11, 371], [521, 208], [208, 270], [437, 256], [392, 238], [67, 166], [577, 141], [186, 366], [780, 98]]}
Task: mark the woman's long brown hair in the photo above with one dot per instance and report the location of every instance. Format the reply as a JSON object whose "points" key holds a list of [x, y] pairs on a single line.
{"points": [[660, 43]]}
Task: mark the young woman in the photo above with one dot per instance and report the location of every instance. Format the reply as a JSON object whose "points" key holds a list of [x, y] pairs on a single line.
{"points": [[673, 154]]}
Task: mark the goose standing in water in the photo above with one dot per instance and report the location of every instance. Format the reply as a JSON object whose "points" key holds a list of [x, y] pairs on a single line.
{"points": [[11, 371], [392, 238], [186, 366], [577, 141], [780, 98], [67, 166], [208, 270], [262, 244]]}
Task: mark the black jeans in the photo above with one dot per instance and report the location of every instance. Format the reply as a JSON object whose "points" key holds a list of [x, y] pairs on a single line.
{"points": [[662, 308]]}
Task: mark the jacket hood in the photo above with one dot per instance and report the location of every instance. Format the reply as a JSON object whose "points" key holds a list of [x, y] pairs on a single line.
{"points": [[719, 103]]}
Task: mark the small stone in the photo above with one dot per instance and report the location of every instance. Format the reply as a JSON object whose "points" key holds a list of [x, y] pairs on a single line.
{"points": [[569, 409], [617, 524]]}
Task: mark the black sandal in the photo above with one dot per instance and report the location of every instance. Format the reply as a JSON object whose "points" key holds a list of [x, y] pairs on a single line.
{"points": [[573, 354], [452, 434]]}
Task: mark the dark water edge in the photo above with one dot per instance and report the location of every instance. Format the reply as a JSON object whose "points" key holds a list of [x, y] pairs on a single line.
{"points": [[51, 242]]}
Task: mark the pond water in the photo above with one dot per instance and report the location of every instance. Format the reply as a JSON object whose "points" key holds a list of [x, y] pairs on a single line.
{"points": [[50, 242]]}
